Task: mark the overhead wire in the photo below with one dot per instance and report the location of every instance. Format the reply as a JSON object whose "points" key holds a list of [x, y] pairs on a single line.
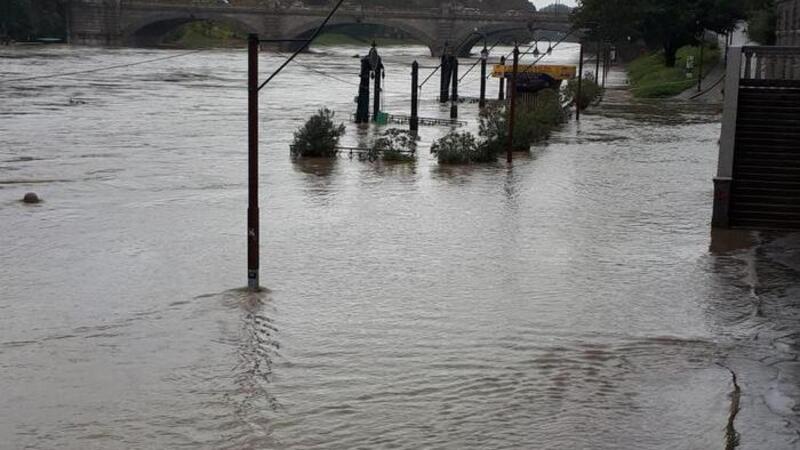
{"points": [[475, 64], [305, 45], [100, 69], [317, 71]]}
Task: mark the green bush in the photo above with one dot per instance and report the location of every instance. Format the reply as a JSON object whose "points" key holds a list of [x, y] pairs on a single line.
{"points": [[318, 137], [461, 148], [590, 92], [396, 145], [532, 123]]}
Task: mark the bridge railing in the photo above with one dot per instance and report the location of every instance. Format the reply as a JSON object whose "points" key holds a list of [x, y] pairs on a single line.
{"points": [[770, 63], [352, 7]]}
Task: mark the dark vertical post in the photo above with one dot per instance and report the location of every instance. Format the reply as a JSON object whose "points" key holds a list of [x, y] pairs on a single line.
{"points": [[362, 111], [513, 107], [597, 64], [484, 55], [700, 72], [252, 162], [502, 95], [605, 65], [580, 86], [444, 90], [454, 97], [414, 122], [376, 108]]}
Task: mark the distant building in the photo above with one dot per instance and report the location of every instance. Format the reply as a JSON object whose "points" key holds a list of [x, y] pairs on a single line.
{"points": [[788, 24]]}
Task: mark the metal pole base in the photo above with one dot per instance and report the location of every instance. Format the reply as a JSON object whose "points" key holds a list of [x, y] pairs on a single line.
{"points": [[252, 280]]}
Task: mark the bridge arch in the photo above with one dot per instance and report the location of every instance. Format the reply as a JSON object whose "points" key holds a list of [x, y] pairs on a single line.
{"points": [[423, 36], [152, 29], [470, 38]]}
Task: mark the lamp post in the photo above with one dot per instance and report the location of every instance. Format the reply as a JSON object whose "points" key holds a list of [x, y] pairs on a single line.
{"points": [[513, 106], [580, 85], [484, 58], [700, 40]]}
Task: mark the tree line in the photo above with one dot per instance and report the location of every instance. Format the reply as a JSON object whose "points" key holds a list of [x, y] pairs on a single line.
{"points": [[23, 20], [670, 24]]}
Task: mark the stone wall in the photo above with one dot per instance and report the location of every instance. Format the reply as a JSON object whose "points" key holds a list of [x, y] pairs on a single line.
{"points": [[788, 24]]}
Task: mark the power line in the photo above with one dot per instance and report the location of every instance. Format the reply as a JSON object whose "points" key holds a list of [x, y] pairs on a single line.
{"points": [[317, 32], [319, 72], [100, 69]]}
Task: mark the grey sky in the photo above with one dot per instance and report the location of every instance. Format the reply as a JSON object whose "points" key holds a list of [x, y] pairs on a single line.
{"points": [[543, 3]]}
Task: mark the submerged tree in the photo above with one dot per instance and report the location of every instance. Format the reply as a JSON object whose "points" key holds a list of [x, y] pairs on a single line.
{"points": [[318, 137]]}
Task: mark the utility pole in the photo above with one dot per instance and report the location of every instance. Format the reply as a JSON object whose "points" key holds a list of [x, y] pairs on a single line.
{"points": [[502, 95], [376, 108], [597, 65], [700, 71], [580, 86], [513, 106], [253, 227], [414, 121], [484, 57], [454, 97]]}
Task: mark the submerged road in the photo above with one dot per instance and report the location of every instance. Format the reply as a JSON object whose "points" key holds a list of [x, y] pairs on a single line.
{"points": [[576, 300]]}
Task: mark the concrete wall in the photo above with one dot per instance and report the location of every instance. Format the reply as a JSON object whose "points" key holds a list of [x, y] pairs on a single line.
{"points": [[788, 26]]}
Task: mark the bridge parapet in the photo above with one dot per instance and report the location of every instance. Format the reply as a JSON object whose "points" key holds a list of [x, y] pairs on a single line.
{"points": [[145, 22]]}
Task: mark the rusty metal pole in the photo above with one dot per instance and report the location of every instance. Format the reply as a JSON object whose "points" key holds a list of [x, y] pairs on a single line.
{"points": [[502, 95], [454, 96], [700, 69], [414, 121], [580, 86], [605, 65], [484, 56], [597, 65], [253, 227], [513, 106]]}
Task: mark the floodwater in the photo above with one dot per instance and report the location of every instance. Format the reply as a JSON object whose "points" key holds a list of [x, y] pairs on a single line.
{"points": [[575, 300]]}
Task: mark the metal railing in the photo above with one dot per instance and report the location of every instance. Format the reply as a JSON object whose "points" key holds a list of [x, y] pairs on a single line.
{"points": [[354, 8], [770, 63]]}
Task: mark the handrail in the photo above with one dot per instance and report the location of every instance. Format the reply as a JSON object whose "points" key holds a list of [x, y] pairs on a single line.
{"points": [[770, 63]]}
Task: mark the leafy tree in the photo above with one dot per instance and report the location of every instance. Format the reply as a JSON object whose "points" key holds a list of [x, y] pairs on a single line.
{"points": [[23, 19], [461, 148], [664, 24], [318, 137], [762, 21]]}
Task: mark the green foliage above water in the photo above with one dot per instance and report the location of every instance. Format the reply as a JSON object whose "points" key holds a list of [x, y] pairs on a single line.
{"points": [[533, 123], [590, 92], [462, 148], [319, 137], [396, 145]]}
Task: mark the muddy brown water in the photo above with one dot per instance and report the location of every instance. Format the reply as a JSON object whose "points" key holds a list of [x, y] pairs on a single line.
{"points": [[575, 300]]}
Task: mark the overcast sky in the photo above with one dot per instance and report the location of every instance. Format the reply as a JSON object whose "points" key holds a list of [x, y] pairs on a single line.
{"points": [[543, 3]]}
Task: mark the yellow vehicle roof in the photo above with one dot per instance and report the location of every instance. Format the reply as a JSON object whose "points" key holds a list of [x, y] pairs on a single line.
{"points": [[558, 72]]}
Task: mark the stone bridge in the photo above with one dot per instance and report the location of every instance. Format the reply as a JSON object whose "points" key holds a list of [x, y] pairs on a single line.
{"points": [[147, 22]]}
